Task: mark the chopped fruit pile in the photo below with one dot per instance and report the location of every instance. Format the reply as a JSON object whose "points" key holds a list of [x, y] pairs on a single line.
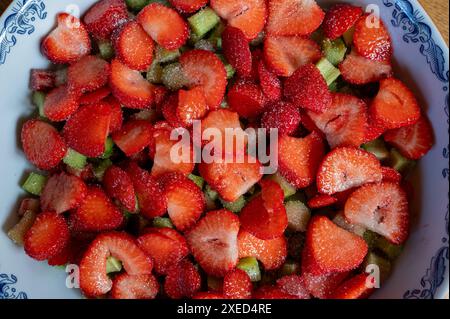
{"points": [[110, 197]]}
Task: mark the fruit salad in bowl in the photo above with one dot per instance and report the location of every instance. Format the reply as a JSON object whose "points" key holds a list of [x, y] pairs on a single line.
{"points": [[221, 149]]}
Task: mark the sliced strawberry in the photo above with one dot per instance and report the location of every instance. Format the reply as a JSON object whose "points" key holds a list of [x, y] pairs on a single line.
{"points": [[373, 130], [213, 242], [60, 103], [95, 96], [133, 137], [118, 185], [299, 158], [208, 295], [42, 144], [182, 281], [246, 99], [93, 278], [382, 208], [192, 105], [294, 17], [164, 25], [282, 116], [62, 192], [391, 175], [353, 288], [371, 38], [42, 80], [116, 114], [358, 70], [412, 141], [88, 74], [339, 19], [134, 47], [271, 253], [130, 87], [87, 129], [345, 168], [237, 285], [68, 42], [188, 6], [47, 237], [127, 286], [271, 292], [250, 16], [322, 286], [86, 173], [284, 54], [307, 88], [344, 123], [320, 201], [293, 285], [64, 257], [105, 16], [269, 82], [237, 50], [169, 111], [205, 69]]}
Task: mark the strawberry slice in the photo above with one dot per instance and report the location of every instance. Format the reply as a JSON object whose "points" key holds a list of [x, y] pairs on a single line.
{"points": [[205, 69], [371, 39], [230, 178], [271, 292], [271, 253], [294, 17], [307, 88], [322, 286], [332, 248], [133, 46], [188, 6], [344, 123], [87, 129], [62, 192], [285, 54], [96, 213], [246, 99], [169, 111], [47, 237], [237, 50], [249, 16], [391, 175], [299, 158], [413, 141], [320, 201], [42, 144], [164, 25], [353, 288], [60, 103], [282, 116], [185, 200], [208, 295], [116, 114], [166, 251], [95, 96], [68, 42], [126, 286], [192, 105], [182, 281], [104, 17], [94, 281], [118, 185], [133, 137], [395, 105], [237, 285], [382, 208], [293, 285], [88, 74], [130, 87], [213, 242], [358, 70], [373, 130], [345, 168], [269, 82], [42, 80], [339, 19]]}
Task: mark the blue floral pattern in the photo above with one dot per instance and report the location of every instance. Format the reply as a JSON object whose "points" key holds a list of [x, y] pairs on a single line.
{"points": [[7, 290]]}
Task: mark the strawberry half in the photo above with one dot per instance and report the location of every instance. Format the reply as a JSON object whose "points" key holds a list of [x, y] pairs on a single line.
{"points": [[133, 137], [188, 6], [94, 281], [269, 82], [391, 175], [127, 286], [88, 74], [299, 158], [282, 116], [345, 168], [246, 99], [285, 54], [68, 42], [47, 237], [60, 103], [116, 114], [294, 17], [192, 105], [62, 192], [42, 80], [271, 252], [95, 96], [237, 50], [87, 129], [293, 285], [271, 292], [118, 185], [382, 208], [320, 201], [213, 242], [249, 16], [164, 25], [353, 288], [339, 19], [182, 281], [322, 286], [104, 17], [169, 111], [42, 144], [237, 285]]}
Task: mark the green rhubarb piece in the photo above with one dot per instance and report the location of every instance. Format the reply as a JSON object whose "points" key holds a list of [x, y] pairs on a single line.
{"points": [[164, 56], [228, 68], [100, 169], [137, 5], [75, 159], [235, 206], [334, 50], [34, 183], [146, 115], [109, 148], [154, 73], [348, 36], [216, 35], [162, 222], [198, 180], [290, 267], [390, 250], [203, 21], [173, 77], [371, 238], [287, 188], [340, 220], [17, 233], [211, 193], [328, 70], [251, 267], [106, 49], [38, 99], [113, 265], [383, 264], [400, 163], [204, 45], [298, 215], [378, 148]]}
